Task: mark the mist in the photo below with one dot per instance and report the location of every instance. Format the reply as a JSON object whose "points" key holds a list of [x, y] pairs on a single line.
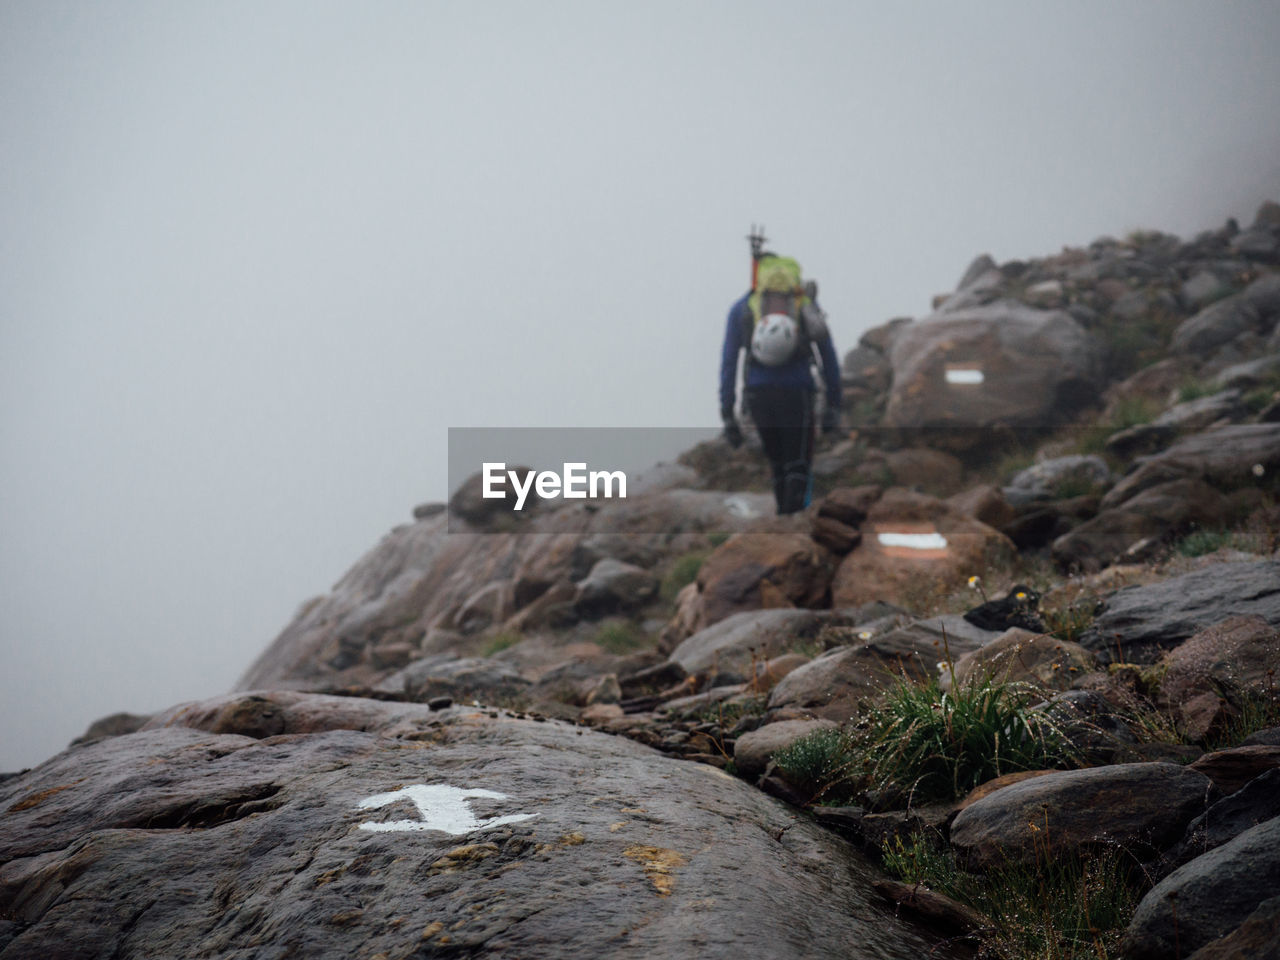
{"points": [[257, 259]]}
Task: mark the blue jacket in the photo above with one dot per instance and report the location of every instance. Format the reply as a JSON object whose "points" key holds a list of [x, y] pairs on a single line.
{"points": [[794, 374]]}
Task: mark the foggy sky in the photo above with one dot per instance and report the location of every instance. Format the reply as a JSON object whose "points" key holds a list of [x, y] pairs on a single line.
{"points": [[256, 258]]}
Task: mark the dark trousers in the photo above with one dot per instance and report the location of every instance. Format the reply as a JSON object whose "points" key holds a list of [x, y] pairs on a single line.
{"points": [[784, 419]]}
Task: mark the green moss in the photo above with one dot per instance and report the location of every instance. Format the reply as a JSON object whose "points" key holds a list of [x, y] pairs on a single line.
{"points": [[683, 571], [620, 637], [499, 642]]}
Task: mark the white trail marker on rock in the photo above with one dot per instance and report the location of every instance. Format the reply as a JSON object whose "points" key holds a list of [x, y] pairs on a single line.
{"points": [[442, 807]]}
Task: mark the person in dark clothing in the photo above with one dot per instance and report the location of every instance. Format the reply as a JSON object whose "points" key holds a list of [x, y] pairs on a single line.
{"points": [[779, 328]]}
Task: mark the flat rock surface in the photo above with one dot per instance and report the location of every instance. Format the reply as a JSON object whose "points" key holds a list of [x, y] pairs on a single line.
{"points": [[462, 833], [1143, 621]]}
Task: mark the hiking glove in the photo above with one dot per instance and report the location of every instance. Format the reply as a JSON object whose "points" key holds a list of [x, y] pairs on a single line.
{"points": [[830, 420], [732, 432]]}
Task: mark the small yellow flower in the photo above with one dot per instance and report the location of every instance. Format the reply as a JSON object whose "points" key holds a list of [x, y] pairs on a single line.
{"points": [[973, 582], [864, 635], [1020, 595]]}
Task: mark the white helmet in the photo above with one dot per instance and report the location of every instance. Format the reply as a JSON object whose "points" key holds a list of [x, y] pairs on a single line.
{"points": [[774, 341]]}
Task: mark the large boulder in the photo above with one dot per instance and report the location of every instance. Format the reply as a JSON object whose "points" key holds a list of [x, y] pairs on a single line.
{"points": [[1135, 805], [406, 831], [1140, 622], [1037, 367], [1207, 898], [910, 542]]}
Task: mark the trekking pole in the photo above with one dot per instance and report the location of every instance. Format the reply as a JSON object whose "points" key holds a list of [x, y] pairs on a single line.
{"points": [[757, 240]]}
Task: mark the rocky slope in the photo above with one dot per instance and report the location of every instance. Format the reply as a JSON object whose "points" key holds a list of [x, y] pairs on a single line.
{"points": [[475, 744]]}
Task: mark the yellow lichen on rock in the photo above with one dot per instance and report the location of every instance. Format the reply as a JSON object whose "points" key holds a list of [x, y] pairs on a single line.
{"points": [[658, 864]]}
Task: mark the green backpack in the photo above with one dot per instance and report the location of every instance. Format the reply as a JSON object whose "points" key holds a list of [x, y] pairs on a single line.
{"points": [[780, 288]]}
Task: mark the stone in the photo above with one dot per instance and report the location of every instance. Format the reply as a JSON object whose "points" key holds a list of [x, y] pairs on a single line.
{"points": [[1048, 479], [1134, 805], [734, 645], [1235, 659], [841, 683], [771, 671], [1210, 897], [614, 587], [489, 605], [753, 751], [1254, 309], [939, 911], [1038, 368], [1234, 768], [985, 503], [463, 678], [1254, 803], [469, 504], [1257, 938], [1159, 513], [754, 571], [1227, 458], [1020, 656], [1141, 622], [469, 833], [928, 471], [425, 510], [1250, 374], [953, 548], [1204, 287], [837, 537], [115, 725], [849, 505]]}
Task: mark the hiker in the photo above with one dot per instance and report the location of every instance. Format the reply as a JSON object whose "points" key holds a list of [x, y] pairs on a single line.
{"points": [[779, 323]]}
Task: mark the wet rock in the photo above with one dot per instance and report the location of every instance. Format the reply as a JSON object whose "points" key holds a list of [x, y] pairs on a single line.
{"points": [[1253, 310], [115, 725], [849, 505], [939, 911], [1228, 458], [1211, 896], [1141, 622], [1255, 939], [480, 835], [840, 683], [1157, 514], [944, 548], [985, 503], [754, 571], [1037, 368], [1048, 480], [1135, 805], [1235, 659], [463, 678], [837, 537], [1020, 656], [734, 645], [614, 587], [926, 470], [753, 751], [1234, 768], [1256, 802], [469, 503]]}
